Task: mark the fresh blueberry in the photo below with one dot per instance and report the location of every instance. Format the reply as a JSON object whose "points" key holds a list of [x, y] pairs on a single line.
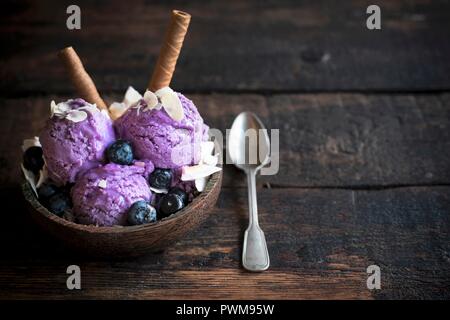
{"points": [[120, 152], [179, 192], [141, 212], [46, 191], [58, 203], [32, 159], [169, 204], [161, 179]]}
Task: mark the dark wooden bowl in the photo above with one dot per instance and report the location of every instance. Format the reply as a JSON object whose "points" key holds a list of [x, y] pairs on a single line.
{"points": [[119, 242]]}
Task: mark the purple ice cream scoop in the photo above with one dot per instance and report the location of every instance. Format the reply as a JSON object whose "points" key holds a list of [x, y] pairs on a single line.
{"points": [[157, 137], [71, 148], [103, 195]]}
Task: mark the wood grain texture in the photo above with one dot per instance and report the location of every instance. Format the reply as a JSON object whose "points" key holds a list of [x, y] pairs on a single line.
{"points": [[326, 140], [364, 169], [321, 242], [231, 45]]}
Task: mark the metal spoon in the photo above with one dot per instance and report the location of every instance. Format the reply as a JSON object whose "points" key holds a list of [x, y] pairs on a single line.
{"points": [[255, 256]]}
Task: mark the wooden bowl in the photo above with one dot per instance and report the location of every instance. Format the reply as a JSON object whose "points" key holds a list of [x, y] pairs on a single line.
{"points": [[129, 241]]}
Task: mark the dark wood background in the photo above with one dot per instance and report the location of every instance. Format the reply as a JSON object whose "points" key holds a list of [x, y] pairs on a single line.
{"points": [[364, 119]]}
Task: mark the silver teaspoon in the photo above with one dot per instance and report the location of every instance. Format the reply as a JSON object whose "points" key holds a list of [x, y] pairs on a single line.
{"points": [[248, 148]]}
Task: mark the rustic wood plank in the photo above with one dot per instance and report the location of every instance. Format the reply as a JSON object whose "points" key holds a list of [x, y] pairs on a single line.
{"points": [[321, 242], [232, 45], [326, 140]]}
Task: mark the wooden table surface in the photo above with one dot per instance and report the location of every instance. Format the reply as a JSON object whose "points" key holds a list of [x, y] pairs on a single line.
{"points": [[364, 119]]}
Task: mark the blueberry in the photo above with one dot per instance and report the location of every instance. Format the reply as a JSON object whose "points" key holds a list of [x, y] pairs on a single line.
{"points": [[169, 204], [161, 179], [120, 152], [46, 191], [32, 159], [58, 203], [179, 192], [141, 212]]}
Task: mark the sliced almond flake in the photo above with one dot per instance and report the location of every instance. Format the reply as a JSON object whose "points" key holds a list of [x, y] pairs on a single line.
{"points": [[198, 171], [59, 110], [59, 115], [200, 184], [92, 108], [206, 147], [31, 178], [172, 105], [151, 99], [43, 176], [155, 190], [138, 107], [117, 109], [52, 108], [163, 91], [32, 142], [62, 108], [76, 116], [131, 96], [102, 184], [211, 160]]}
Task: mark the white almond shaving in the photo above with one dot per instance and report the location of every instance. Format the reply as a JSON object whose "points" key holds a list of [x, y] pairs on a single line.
{"points": [[76, 116], [117, 109], [205, 168], [163, 91], [151, 99], [200, 184], [131, 97], [211, 160], [52, 108], [198, 171], [32, 142], [59, 110], [164, 97], [90, 107], [34, 181], [207, 148], [172, 105], [31, 178], [63, 110], [155, 190], [102, 184], [43, 176]]}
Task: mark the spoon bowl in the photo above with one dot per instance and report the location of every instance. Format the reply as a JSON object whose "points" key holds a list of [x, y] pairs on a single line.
{"points": [[248, 142]]}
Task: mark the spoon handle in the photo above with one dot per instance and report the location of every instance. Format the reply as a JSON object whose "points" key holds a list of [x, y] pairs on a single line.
{"points": [[255, 256]]}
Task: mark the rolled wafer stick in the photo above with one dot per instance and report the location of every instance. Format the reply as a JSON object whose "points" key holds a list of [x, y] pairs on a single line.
{"points": [[80, 78], [168, 56]]}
